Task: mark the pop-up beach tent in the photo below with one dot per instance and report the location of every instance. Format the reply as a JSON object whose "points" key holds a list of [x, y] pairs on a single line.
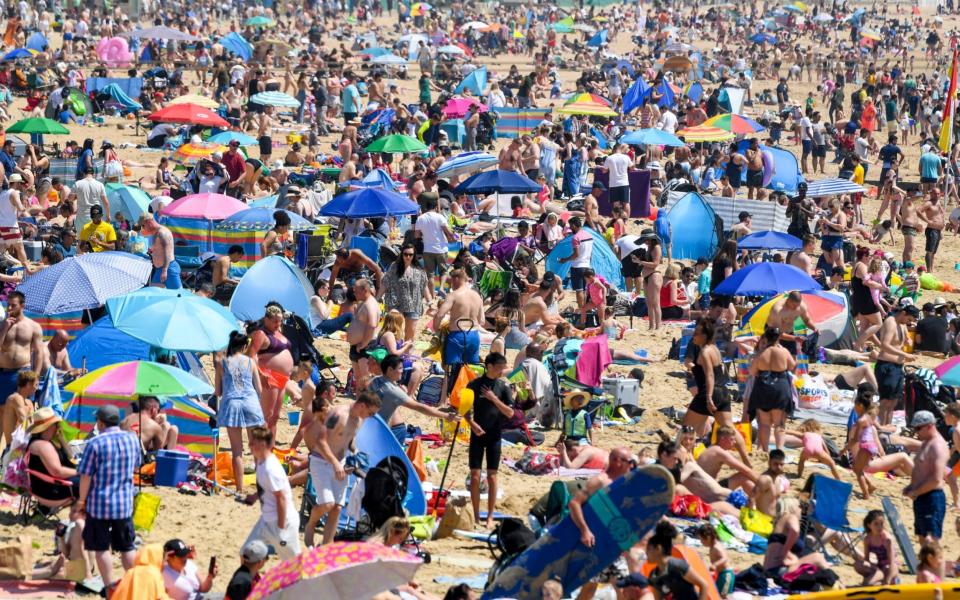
{"points": [[602, 259], [695, 229]]}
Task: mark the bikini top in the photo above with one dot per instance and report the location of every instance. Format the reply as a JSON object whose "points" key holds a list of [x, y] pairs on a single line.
{"points": [[276, 345]]}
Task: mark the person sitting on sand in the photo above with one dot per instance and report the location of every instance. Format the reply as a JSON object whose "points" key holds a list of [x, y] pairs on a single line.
{"points": [[573, 455], [714, 458], [155, 432], [786, 548], [879, 543], [689, 478], [771, 484]]}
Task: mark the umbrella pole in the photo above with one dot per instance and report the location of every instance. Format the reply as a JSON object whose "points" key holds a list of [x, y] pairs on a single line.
{"points": [[446, 467]]}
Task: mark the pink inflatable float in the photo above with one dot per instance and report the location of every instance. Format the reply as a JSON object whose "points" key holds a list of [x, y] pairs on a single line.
{"points": [[114, 52]]}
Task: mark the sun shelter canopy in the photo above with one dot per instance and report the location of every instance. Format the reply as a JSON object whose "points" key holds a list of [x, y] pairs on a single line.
{"points": [[695, 230], [602, 259]]}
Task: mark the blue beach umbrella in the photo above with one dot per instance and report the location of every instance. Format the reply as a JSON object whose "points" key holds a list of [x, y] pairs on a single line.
{"points": [[769, 240], [369, 202], [766, 279], [84, 282], [273, 278], [498, 182], [651, 137]]}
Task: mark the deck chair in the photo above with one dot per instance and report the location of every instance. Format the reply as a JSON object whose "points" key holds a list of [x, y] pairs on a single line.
{"points": [[829, 510], [33, 506], [494, 280]]}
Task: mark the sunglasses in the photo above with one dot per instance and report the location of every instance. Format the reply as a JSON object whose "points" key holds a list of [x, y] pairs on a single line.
{"points": [[408, 254]]}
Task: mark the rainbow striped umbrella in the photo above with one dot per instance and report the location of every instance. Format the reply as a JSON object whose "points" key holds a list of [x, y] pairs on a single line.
{"points": [[736, 124], [588, 104], [704, 133], [420, 9], [139, 378], [190, 154], [821, 306]]}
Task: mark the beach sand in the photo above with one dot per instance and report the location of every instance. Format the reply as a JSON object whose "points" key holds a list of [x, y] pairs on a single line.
{"points": [[218, 525]]}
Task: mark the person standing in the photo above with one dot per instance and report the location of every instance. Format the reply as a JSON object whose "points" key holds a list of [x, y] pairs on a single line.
{"points": [[406, 288], [470, 124], [279, 523], [926, 479], [932, 214], [579, 259], [362, 331], [350, 100], [238, 388], [21, 345], [90, 193], [465, 309], [493, 402], [11, 208], [889, 366], [166, 270], [618, 166], [106, 492], [328, 442], [434, 230]]}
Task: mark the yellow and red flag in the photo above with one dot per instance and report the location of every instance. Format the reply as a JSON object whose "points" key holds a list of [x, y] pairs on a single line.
{"points": [[949, 109]]}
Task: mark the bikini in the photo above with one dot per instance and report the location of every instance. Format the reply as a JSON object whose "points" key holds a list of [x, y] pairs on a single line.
{"points": [[276, 346]]}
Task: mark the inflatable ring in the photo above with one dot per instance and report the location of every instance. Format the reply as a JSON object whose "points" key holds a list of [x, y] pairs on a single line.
{"points": [[769, 166]]}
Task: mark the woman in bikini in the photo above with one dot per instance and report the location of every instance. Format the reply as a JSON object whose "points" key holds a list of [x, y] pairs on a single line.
{"points": [[652, 276], [272, 351]]}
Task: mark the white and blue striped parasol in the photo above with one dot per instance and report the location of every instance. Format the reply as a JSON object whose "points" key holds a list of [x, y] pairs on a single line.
{"points": [[260, 219], [275, 99], [833, 187], [84, 282], [388, 59], [466, 163]]}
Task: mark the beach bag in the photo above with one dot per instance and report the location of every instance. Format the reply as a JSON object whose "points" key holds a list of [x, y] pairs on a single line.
{"points": [[421, 527], [465, 376], [756, 522], [429, 392], [689, 505], [461, 428], [16, 557], [814, 392], [457, 514], [15, 460], [146, 507], [415, 454], [537, 463]]}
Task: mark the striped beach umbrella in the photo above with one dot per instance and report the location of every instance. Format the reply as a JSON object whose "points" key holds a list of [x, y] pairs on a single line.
{"points": [[388, 59], [737, 124], [833, 187], [587, 104], [466, 163], [190, 154], [704, 133], [275, 99]]}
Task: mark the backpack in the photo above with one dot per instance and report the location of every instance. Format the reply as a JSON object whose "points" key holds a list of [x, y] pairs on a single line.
{"points": [[513, 536], [429, 392]]}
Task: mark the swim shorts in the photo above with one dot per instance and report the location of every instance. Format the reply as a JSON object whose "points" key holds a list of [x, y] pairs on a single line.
{"points": [[462, 347]]}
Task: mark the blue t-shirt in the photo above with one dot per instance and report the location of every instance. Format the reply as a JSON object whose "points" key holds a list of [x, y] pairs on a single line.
{"points": [[350, 95], [929, 165], [888, 153], [82, 161], [852, 420], [9, 165]]}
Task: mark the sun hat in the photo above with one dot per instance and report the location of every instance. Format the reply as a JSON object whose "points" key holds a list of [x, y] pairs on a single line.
{"points": [[42, 420]]}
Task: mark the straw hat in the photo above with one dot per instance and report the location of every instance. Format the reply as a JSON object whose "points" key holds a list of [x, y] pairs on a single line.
{"points": [[42, 420], [578, 395]]}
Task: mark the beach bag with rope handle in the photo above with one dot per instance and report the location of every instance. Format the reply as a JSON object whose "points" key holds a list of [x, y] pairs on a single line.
{"points": [[756, 522]]}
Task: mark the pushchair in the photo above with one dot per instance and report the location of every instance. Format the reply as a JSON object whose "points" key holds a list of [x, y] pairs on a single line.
{"points": [[486, 129], [917, 395], [561, 363], [506, 543]]}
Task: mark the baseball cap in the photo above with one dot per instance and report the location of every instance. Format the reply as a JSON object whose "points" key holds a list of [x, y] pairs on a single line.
{"points": [[929, 307], [912, 311], [744, 215], [922, 418], [598, 186], [96, 211], [632, 580], [108, 414], [176, 547], [255, 551]]}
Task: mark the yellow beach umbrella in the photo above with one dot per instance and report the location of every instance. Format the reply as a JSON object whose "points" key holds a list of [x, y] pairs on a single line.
{"points": [[197, 99]]}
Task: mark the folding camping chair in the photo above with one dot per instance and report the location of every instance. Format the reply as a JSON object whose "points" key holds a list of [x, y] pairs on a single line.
{"points": [[318, 250], [368, 245], [32, 505], [829, 510], [494, 280]]}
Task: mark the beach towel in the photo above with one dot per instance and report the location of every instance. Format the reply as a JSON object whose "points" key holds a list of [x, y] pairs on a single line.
{"points": [[144, 580], [415, 454], [594, 358], [37, 589]]}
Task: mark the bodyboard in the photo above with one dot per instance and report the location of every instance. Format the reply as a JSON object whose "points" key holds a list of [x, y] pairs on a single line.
{"points": [[900, 534], [906, 591], [619, 516]]}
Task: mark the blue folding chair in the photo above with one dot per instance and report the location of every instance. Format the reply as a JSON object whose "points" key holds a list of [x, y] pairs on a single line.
{"points": [[368, 245], [829, 510]]}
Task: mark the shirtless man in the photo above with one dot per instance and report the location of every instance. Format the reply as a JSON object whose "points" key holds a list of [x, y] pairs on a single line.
{"points": [[690, 478], [719, 455], [770, 485], [352, 264], [264, 125], [464, 307], [166, 270], [328, 442], [535, 310], [362, 330], [926, 479], [784, 314], [57, 354], [754, 170], [377, 91], [223, 283], [348, 172], [933, 215], [155, 432], [803, 258], [510, 157], [530, 157], [21, 345], [910, 226], [17, 407], [591, 207], [889, 366]]}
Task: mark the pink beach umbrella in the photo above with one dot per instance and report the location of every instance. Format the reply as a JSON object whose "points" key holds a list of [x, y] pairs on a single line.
{"points": [[456, 108], [204, 206]]}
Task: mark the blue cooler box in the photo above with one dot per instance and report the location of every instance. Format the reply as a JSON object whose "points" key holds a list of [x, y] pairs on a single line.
{"points": [[171, 468]]}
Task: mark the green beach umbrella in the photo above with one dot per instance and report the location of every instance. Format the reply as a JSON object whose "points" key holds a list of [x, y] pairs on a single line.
{"points": [[38, 125], [396, 144]]}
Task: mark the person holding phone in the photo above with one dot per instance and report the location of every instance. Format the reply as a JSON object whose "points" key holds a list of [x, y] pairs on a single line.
{"points": [[180, 577]]}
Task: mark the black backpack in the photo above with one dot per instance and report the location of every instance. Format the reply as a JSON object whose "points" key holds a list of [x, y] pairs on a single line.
{"points": [[513, 536]]}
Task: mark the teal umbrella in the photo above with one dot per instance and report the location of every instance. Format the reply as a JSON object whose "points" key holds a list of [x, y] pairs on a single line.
{"points": [[127, 199], [396, 144], [260, 21], [225, 137]]}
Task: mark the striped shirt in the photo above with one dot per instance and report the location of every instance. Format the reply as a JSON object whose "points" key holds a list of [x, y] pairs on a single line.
{"points": [[110, 460]]}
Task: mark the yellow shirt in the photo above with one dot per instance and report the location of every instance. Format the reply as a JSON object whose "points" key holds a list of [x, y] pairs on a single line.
{"points": [[858, 175], [103, 233]]}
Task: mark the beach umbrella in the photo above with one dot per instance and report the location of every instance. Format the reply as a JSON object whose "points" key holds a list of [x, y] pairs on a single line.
{"points": [[261, 219], [559, 27], [822, 307], [466, 163], [452, 50], [259, 21], [678, 64], [584, 27], [651, 137], [474, 25], [475, 81], [190, 154], [203, 206], [832, 187], [272, 278], [175, 320], [587, 104], [225, 137], [498, 181], [702, 133], [18, 53], [763, 38], [190, 114], [265, 202], [949, 371], [237, 44], [396, 144], [870, 35], [160, 33], [420, 9], [598, 39], [389, 59], [38, 125], [128, 199], [37, 41], [737, 124], [822, 18], [766, 279], [678, 47], [278, 99], [197, 100], [769, 240], [139, 378], [338, 571], [793, 8], [377, 178], [374, 52], [369, 202], [457, 108], [84, 282]]}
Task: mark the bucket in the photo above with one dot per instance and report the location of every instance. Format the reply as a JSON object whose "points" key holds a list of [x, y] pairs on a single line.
{"points": [[293, 417], [171, 468]]}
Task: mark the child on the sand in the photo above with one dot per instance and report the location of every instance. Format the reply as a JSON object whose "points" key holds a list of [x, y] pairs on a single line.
{"points": [[879, 543], [719, 564], [814, 448], [930, 561]]}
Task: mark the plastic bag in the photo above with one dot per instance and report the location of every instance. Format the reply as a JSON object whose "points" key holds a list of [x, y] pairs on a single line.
{"points": [[755, 521], [689, 505]]}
